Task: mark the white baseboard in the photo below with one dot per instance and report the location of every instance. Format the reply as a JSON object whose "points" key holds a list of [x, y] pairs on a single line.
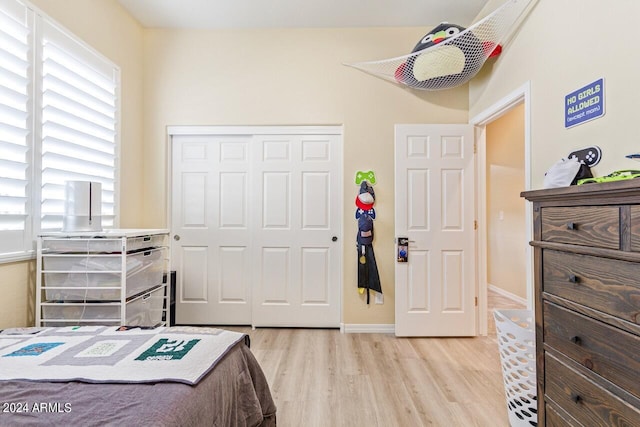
{"points": [[365, 328], [507, 294]]}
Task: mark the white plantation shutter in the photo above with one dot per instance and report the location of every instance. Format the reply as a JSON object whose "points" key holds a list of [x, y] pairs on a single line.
{"points": [[59, 106], [79, 118], [15, 129]]}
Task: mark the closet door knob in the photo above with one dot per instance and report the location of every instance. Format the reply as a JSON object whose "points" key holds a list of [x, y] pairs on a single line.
{"points": [[572, 226], [576, 340], [176, 237], [573, 278], [334, 239]]}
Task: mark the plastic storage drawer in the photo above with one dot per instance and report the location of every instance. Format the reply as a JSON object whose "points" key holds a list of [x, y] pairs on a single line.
{"points": [[98, 277], [94, 313], [102, 245], [145, 310]]}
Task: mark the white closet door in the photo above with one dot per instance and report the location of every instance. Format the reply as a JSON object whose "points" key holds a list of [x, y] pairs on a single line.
{"points": [[258, 220], [297, 256], [210, 217]]}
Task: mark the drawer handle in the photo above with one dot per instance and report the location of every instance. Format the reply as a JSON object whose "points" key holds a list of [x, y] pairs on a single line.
{"points": [[575, 398], [573, 278], [572, 226], [576, 340]]}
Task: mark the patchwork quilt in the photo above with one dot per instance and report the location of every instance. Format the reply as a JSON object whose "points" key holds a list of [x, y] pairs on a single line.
{"points": [[111, 354]]}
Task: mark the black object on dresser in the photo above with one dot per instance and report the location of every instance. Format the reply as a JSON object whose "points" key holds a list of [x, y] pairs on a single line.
{"points": [[587, 307]]}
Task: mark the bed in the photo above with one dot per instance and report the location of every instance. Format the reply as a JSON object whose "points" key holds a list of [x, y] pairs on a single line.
{"points": [[233, 392]]}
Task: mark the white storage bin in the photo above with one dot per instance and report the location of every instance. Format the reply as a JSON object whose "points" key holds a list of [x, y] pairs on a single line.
{"points": [[144, 242], [151, 275], [144, 271], [110, 291], [147, 309], [98, 263], [89, 278], [101, 244], [516, 341], [69, 245], [93, 312]]}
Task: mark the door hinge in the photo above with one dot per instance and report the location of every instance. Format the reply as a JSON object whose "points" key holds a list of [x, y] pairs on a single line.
{"points": [[475, 148], [476, 301], [475, 224]]}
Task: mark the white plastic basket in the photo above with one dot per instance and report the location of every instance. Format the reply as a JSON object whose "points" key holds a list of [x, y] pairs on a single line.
{"points": [[516, 341]]}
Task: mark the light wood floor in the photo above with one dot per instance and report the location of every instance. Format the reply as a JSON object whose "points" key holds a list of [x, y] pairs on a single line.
{"points": [[320, 377]]}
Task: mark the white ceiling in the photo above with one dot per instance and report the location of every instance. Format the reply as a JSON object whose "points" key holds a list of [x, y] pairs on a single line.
{"points": [[301, 13]]}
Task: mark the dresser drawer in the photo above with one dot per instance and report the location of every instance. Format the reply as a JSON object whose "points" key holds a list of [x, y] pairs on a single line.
{"points": [[635, 228], [554, 419], [584, 400], [608, 285], [594, 226], [609, 352]]}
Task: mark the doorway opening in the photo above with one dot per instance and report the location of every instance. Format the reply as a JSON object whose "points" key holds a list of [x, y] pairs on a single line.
{"points": [[504, 220]]}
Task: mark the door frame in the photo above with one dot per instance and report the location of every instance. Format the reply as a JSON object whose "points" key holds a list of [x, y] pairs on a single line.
{"points": [[480, 122], [182, 130]]}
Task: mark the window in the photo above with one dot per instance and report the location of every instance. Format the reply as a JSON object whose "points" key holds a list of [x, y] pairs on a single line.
{"points": [[78, 124], [59, 106], [15, 130]]}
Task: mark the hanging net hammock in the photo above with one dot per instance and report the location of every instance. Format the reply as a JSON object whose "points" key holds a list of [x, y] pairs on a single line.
{"points": [[453, 61]]}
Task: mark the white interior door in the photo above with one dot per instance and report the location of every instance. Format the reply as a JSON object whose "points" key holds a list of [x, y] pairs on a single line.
{"points": [[297, 260], [258, 220], [435, 204], [210, 217]]}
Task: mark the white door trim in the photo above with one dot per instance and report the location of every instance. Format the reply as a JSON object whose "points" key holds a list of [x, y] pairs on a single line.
{"points": [[480, 121], [254, 130]]}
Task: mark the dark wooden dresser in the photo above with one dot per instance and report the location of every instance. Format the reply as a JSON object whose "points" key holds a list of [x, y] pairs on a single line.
{"points": [[587, 307]]}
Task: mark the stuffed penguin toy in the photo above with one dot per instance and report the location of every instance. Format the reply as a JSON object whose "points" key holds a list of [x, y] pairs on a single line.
{"points": [[457, 60]]}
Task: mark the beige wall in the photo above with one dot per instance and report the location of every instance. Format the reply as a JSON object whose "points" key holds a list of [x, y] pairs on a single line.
{"points": [[17, 283], [560, 47], [293, 77], [105, 26], [506, 232]]}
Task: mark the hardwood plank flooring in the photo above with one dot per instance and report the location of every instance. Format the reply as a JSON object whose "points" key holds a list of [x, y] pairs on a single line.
{"points": [[320, 377]]}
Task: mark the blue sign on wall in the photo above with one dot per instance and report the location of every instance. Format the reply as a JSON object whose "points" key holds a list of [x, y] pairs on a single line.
{"points": [[584, 104]]}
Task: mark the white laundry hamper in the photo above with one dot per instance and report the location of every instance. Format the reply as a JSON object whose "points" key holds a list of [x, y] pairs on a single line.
{"points": [[516, 341]]}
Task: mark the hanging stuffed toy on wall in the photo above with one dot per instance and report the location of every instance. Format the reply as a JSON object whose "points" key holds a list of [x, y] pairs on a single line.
{"points": [[365, 200], [451, 55], [368, 277], [457, 59]]}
